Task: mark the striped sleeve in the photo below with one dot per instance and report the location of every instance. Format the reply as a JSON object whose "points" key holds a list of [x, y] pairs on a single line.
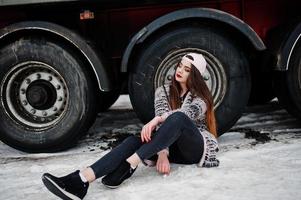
{"points": [[161, 102], [193, 110]]}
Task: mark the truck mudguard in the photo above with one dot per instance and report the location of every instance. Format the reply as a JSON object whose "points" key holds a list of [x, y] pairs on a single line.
{"points": [[101, 75], [287, 48], [202, 13]]}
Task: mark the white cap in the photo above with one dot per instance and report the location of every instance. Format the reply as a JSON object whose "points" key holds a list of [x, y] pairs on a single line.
{"points": [[198, 61]]}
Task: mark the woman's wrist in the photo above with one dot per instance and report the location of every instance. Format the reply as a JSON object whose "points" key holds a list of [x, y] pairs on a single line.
{"points": [[163, 153], [159, 119]]}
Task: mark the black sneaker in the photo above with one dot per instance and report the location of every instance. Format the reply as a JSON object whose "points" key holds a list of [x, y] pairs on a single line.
{"points": [[67, 187], [115, 178]]}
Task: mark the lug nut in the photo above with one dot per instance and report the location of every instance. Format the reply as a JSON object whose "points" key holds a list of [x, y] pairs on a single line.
{"points": [[49, 78], [27, 80], [55, 109], [23, 91], [58, 87], [24, 102], [38, 76], [60, 99], [44, 113], [169, 77], [206, 78], [33, 111]]}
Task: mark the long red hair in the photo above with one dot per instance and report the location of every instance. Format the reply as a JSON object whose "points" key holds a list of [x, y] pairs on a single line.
{"points": [[197, 86]]}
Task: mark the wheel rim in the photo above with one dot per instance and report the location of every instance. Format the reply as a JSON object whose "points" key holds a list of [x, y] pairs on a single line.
{"points": [[214, 76], [34, 94]]}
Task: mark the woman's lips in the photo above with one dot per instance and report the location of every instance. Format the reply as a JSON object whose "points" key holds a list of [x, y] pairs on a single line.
{"points": [[179, 76]]}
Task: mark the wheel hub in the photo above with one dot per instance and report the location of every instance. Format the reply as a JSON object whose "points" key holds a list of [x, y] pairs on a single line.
{"points": [[35, 94], [214, 76], [41, 95]]}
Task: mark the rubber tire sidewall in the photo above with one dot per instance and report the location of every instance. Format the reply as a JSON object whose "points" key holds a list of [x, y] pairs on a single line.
{"points": [[286, 84], [80, 104], [234, 62]]}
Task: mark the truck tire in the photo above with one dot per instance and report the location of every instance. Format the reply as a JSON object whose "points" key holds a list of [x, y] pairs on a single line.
{"points": [[227, 74], [47, 98], [288, 84]]}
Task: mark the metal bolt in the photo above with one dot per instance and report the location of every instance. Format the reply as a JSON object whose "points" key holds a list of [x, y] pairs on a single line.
{"points": [[44, 113], [55, 109], [49, 78], [27, 80], [206, 78], [60, 99], [58, 87], [24, 102], [38, 76], [33, 111], [23, 91], [169, 77]]}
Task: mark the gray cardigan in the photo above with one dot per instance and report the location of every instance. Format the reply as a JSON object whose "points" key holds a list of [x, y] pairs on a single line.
{"points": [[195, 108]]}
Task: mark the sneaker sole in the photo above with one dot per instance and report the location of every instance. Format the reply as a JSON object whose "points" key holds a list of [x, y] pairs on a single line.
{"points": [[57, 190], [111, 187], [114, 186]]}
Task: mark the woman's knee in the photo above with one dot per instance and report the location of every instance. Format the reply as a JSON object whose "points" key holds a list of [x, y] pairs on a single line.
{"points": [[178, 117]]}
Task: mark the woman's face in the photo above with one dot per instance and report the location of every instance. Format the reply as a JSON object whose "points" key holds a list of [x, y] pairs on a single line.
{"points": [[183, 71]]}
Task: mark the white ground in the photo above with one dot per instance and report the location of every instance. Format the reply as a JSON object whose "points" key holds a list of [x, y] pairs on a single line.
{"points": [[249, 169]]}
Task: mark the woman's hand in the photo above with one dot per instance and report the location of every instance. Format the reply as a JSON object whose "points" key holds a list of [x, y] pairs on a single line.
{"points": [[148, 128], [163, 165]]}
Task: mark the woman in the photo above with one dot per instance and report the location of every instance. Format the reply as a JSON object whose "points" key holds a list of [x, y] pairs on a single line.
{"points": [[183, 131]]}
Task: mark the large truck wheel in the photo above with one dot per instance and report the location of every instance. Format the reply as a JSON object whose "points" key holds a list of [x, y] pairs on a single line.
{"points": [[227, 74], [47, 98], [288, 84]]}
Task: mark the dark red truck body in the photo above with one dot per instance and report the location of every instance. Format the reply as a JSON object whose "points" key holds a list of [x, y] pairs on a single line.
{"points": [[117, 21]]}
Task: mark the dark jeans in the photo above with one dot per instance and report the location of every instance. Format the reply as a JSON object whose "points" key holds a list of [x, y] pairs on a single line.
{"points": [[178, 133]]}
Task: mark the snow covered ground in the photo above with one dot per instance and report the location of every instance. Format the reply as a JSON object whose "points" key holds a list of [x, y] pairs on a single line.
{"points": [[260, 159]]}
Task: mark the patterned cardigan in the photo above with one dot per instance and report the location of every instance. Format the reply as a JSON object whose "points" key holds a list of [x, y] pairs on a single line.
{"points": [[195, 108]]}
